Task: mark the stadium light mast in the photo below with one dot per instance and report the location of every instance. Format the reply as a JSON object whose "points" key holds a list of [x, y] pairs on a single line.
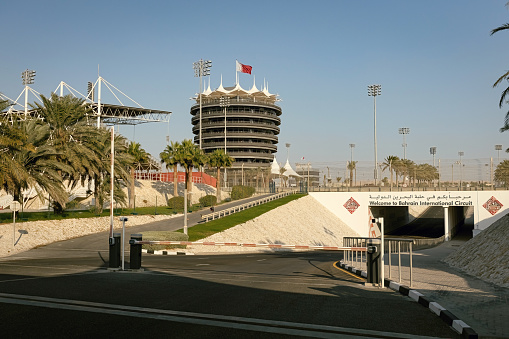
{"points": [[433, 152], [201, 69], [498, 148], [27, 78], [374, 91], [461, 154], [404, 131]]}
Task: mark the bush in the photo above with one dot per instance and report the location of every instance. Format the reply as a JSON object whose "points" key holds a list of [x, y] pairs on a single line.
{"points": [[163, 235], [241, 192], [208, 200], [177, 203]]}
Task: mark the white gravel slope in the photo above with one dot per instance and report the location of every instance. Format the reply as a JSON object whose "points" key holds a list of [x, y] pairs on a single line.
{"points": [[486, 255], [301, 222]]}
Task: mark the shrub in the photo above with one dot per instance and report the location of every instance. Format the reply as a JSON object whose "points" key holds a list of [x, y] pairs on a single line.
{"points": [[241, 192], [163, 235], [208, 200], [177, 203]]}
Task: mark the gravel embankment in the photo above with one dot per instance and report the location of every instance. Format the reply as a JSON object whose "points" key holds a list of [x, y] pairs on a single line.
{"points": [[486, 255]]}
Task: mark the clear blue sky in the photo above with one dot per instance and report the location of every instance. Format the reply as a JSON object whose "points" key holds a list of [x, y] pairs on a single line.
{"points": [[435, 60]]}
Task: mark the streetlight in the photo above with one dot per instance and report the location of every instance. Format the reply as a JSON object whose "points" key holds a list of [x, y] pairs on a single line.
{"points": [[224, 102], [352, 146], [27, 78], [374, 91], [498, 148], [461, 167], [404, 131], [201, 69]]}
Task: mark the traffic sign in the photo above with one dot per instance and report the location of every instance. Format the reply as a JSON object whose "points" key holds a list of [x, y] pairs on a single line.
{"points": [[15, 206]]}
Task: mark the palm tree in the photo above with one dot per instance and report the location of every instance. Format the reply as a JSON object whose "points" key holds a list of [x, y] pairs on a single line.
{"points": [[282, 171], [502, 172], [189, 156], [122, 162], [33, 164], [219, 159], [76, 142], [388, 163], [169, 157], [141, 160], [409, 168], [505, 76], [351, 166]]}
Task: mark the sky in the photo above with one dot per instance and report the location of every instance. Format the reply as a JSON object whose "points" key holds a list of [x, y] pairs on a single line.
{"points": [[435, 60]]}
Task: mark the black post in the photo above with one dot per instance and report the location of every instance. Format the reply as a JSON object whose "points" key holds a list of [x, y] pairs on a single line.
{"points": [[115, 244], [135, 253], [373, 261]]}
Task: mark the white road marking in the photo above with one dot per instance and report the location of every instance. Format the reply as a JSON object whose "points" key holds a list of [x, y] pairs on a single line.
{"points": [[250, 324]]}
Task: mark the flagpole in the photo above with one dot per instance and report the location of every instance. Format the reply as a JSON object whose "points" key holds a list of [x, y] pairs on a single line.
{"points": [[236, 72]]}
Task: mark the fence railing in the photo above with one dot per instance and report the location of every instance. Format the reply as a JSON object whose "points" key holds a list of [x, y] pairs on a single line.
{"points": [[392, 247], [238, 208]]}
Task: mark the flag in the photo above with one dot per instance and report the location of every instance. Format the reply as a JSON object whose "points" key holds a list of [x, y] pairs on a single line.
{"points": [[302, 158], [243, 68]]}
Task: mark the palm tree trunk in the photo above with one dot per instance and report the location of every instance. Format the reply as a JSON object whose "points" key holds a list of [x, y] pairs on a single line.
{"points": [[131, 189], [175, 181]]}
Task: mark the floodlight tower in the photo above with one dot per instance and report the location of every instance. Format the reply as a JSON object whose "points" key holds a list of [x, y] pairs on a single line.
{"points": [[404, 131], [461, 167], [374, 91], [201, 69], [224, 102], [433, 152], [352, 146], [498, 148], [27, 78]]}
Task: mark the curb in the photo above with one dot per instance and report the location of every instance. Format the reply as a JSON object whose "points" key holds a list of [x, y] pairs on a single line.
{"points": [[450, 319], [165, 252]]}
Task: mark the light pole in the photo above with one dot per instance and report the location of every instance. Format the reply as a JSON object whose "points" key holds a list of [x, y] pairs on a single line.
{"points": [[27, 78], [433, 152], [224, 102], [461, 167], [374, 91], [352, 146], [404, 131], [201, 69], [498, 148]]}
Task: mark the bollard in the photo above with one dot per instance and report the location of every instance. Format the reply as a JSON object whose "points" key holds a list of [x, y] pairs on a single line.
{"points": [[135, 254], [114, 261], [373, 261]]}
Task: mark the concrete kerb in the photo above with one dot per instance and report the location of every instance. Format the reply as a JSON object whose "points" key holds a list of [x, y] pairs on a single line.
{"points": [[165, 252], [450, 319]]}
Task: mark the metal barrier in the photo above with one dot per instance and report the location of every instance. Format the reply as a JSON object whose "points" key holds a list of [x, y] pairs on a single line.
{"points": [[392, 246], [229, 211]]}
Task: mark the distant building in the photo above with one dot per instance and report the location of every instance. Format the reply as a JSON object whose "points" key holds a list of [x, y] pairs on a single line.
{"points": [[305, 171], [249, 128]]}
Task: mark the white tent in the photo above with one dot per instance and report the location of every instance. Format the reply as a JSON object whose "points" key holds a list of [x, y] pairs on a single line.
{"points": [[289, 170], [274, 168]]}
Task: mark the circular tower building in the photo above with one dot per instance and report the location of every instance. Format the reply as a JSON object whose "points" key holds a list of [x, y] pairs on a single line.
{"points": [[245, 123]]}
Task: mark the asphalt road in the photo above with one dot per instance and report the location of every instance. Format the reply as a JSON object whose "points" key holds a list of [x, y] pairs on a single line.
{"points": [[65, 289], [430, 224]]}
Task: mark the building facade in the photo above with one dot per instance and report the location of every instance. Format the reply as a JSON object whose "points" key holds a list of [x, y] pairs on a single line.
{"points": [[245, 123]]}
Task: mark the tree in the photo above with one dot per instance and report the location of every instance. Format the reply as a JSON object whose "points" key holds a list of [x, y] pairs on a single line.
{"points": [[76, 142], [122, 176], [389, 163], [169, 157], [141, 161], [504, 76], [351, 167], [502, 172], [282, 171], [189, 156], [33, 164], [219, 159]]}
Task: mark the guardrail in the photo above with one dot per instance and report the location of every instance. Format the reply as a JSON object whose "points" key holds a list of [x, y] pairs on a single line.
{"points": [[392, 246], [235, 209]]}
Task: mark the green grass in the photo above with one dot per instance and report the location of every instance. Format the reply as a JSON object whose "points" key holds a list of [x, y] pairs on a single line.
{"points": [[201, 231], [49, 215]]}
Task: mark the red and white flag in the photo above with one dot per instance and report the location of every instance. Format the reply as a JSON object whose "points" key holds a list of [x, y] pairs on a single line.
{"points": [[243, 68]]}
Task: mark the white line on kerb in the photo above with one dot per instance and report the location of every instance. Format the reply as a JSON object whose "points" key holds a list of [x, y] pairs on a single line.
{"points": [[251, 324]]}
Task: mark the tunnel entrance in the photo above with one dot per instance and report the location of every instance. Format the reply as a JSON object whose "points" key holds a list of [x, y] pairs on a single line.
{"points": [[426, 222]]}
